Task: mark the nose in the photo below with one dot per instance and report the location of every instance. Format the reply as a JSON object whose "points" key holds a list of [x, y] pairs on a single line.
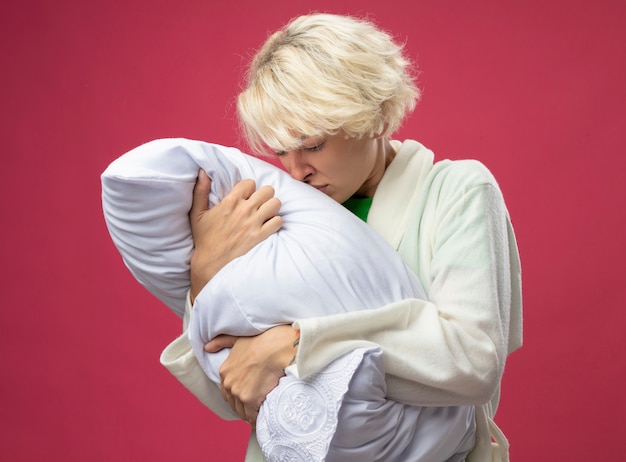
{"points": [[297, 165]]}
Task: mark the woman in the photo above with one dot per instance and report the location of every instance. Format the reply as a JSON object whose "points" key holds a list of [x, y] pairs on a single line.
{"points": [[325, 94]]}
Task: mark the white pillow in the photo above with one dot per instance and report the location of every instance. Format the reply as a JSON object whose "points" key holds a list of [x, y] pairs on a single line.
{"points": [[146, 197]]}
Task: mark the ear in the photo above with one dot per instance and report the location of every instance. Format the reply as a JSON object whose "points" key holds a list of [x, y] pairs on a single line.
{"points": [[383, 131]]}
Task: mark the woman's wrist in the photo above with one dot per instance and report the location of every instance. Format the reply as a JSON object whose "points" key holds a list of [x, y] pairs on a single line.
{"points": [[200, 273], [285, 340], [295, 345]]}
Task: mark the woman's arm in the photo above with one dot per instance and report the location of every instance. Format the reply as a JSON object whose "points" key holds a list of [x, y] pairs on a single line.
{"points": [[254, 366]]}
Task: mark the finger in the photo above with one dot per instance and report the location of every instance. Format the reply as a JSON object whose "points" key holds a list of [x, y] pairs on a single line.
{"points": [[272, 225], [220, 342], [244, 189], [238, 407], [269, 209], [262, 195], [200, 202], [226, 394], [251, 414]]}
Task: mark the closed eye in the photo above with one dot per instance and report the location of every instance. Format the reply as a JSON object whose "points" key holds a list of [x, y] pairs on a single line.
{"points": [[317, 147], [304, 148]]}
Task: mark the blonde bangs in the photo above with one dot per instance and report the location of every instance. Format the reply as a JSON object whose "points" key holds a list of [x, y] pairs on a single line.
{"points": [[321, 75]]}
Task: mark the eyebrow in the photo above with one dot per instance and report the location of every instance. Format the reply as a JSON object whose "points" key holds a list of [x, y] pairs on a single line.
{"points": [[317, 138]]}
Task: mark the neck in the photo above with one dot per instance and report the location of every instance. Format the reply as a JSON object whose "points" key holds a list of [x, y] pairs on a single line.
{"points": [[385, 153], [390, 153]]}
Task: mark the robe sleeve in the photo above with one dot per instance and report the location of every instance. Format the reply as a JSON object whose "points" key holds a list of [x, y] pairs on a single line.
{"points": [[450, 350]]}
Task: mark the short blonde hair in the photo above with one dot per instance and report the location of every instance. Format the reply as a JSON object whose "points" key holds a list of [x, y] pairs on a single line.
{"points": [[323, 74]]}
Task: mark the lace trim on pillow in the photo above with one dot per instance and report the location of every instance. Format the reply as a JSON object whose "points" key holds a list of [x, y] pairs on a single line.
{"points": [[299, 418]]}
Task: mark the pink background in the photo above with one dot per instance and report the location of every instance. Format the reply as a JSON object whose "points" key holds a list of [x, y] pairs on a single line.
{"points": [[533, 89]]}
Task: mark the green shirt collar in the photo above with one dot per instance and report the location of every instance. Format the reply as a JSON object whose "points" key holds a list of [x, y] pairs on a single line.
{"points": [[360, 206]]}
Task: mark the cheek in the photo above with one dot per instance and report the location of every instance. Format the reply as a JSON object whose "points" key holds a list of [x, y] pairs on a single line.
{"points": [[284, 163]]}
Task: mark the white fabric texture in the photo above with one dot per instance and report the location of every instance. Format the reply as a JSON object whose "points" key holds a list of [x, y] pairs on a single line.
{"points": [[323, 261], [299, 418]]}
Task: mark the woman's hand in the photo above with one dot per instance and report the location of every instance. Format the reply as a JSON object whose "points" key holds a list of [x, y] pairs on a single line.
{"points": [[254, 367], [240, 221]]}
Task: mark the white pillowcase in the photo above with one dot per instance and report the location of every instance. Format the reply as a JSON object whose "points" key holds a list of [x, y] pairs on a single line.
{"points": [[146, 197]]}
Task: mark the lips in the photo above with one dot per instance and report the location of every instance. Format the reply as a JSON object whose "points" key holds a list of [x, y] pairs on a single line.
{"points": [[321, 187]]}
